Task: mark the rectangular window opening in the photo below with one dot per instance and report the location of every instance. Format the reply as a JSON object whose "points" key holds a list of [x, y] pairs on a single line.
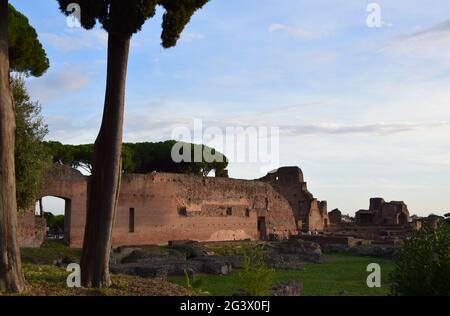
{"points": [[131, 220], [182, 211]]}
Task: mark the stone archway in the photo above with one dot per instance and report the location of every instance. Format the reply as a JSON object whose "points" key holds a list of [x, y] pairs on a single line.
{"points": [[67, 212], [65, 183]]}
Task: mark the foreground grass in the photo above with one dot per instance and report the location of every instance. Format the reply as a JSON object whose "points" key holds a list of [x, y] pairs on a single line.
{"points": [[44, 278], [50, 252], [339, 273], [47, 280]]}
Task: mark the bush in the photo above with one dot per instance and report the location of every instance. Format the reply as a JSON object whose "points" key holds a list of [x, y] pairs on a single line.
{"points": [[422, 266], [256, 278], [55, 223], [195, 283]]}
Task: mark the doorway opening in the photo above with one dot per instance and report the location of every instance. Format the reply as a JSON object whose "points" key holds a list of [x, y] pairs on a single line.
{"points": [[56, 211], [262, 228]]}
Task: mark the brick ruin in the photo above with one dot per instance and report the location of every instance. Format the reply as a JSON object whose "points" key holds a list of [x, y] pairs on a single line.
{"points": [[309, 213], [383, 213], [335, 217], [158, 207]]}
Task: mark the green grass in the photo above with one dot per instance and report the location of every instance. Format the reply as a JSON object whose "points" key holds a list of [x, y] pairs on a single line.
{"points": [[50, 251], [44, 278], [339, 273]]}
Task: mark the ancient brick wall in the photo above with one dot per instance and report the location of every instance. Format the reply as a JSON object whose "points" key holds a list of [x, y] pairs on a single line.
{"points": [[175, 207], [335, 217], [315, 218], [158, 207], [31, 230], [309, 214], [383, 213]]}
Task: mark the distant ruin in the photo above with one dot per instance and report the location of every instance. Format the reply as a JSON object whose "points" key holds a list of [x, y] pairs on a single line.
{"points": [[383, 213]]}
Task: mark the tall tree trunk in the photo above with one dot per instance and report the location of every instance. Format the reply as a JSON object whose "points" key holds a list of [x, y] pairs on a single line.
{"points": [[11, 277], [104, 184]]}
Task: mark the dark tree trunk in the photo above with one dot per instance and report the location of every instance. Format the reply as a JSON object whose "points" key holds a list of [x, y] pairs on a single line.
{"points": [[104, 184], [11, 278]]}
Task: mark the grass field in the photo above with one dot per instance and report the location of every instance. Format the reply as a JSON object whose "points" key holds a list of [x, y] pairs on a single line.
{"points": [[44, 278], [339, 273]]}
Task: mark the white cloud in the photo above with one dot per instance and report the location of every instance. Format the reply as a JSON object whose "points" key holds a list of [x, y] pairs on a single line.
{"points": [[191, 36], [68, 130], [76, 39], [292, 31], [430, 43], [380, 129], [57, 83]]}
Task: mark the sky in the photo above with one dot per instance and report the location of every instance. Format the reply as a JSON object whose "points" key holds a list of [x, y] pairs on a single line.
{"points": [[363, 111]]}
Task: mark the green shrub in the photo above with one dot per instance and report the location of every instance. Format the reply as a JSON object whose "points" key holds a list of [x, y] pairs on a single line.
{"points": [[194, 283], [422, 266], [256, 278]]}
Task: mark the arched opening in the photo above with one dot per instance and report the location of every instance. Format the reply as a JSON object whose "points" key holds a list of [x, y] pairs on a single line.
{"points": [[56, 211]]}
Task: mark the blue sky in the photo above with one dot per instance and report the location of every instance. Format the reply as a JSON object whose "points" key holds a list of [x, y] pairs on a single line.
{"points": [[363, 111]]}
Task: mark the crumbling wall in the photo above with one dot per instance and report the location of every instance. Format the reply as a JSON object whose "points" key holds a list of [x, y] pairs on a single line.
{"points": [[31, 229], [309, 214], [176, 207], [315, 217], [383, 213], [335, 217], [159, 207]]}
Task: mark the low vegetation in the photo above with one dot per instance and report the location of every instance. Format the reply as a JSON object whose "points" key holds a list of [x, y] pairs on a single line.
{"points": [[340, 274], [422, 267], [255, 278], [45, 272]]}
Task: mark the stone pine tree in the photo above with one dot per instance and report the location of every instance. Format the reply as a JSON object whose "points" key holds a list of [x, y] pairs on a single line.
{"points": [[20, 51], [11, 277], [26, 54], [121, 19]]}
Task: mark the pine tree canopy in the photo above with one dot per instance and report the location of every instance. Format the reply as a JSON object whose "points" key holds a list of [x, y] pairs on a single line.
{"points": [[127, 17], [26, 53]]}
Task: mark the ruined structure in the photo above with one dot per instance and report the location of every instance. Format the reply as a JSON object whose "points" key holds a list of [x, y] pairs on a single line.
{"points": [[309, 213], [335, 217], [382, 213], [159, 207]]}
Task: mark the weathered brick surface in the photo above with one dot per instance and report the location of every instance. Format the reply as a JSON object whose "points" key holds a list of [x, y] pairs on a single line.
{"points": [[31, 230], [383, 213], [178, 207], [309, 213]]}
